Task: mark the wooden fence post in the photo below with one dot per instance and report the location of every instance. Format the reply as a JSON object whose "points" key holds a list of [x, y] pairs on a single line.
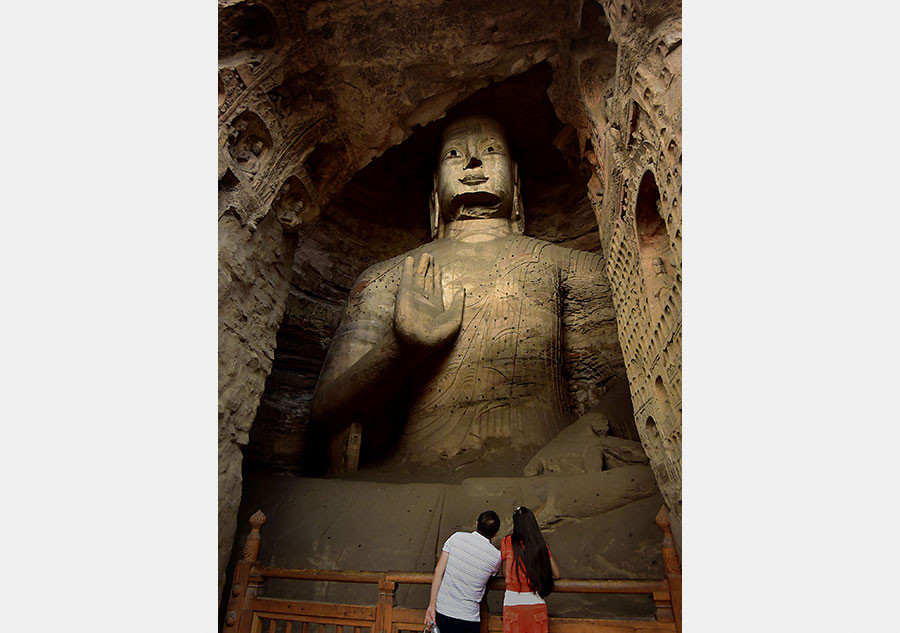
{"points": [[672, 563], [387, 600], [246, 585]]}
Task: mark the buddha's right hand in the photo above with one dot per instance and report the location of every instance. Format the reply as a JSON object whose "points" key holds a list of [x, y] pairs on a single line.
{"points": [[420, 319]]}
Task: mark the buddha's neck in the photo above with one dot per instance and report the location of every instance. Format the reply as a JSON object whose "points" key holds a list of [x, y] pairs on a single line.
{"points": [[477, 230]]}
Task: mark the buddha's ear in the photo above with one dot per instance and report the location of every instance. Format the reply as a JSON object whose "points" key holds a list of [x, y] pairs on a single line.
{"points": [[435, 222], [517, 216]]}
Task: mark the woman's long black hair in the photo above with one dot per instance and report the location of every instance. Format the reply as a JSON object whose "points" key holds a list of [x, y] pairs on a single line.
{"points": [[530, 551]]}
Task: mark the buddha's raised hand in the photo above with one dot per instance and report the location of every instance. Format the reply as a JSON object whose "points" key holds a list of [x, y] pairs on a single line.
{"points": [[419, 316]]}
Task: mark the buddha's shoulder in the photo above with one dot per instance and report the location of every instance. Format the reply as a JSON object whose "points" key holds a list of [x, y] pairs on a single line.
{"points": [[562, 256], [543, 248]]}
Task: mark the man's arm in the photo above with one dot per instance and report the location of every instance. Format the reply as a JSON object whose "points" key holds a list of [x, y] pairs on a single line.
{"points": [[436, 587]]}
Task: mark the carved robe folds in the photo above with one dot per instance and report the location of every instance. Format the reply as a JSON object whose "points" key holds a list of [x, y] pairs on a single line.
{"points": [[501, 385]]}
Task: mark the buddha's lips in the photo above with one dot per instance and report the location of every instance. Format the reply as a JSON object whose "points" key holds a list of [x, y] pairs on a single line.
{"points": [[484, 199], [473, 180]]}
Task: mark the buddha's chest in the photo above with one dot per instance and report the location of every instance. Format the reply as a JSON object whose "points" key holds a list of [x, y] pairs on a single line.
{"points": [[501, 279]]}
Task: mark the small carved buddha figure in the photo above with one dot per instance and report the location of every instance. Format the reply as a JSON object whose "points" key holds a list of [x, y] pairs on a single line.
{"points": [[453, 352]]}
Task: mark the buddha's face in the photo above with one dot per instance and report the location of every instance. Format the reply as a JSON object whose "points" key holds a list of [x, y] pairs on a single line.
{"points": [[475, 172]]}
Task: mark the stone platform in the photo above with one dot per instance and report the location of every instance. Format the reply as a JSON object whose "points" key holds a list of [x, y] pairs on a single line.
{"points": [[598, 525]]}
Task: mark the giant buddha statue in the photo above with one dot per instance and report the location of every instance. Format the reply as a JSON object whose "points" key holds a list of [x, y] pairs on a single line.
{"points": [[453, 352]]}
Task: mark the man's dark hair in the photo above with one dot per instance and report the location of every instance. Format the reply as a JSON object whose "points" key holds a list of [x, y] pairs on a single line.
{"points": [[488, 524]]}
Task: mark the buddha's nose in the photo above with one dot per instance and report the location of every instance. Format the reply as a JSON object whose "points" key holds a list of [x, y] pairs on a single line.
{"points": [[473, 163]]}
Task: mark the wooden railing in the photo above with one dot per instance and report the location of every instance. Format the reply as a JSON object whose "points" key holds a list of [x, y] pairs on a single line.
{"points": [[248, 613]]}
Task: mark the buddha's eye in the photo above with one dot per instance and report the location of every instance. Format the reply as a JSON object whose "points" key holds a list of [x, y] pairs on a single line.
{"points": [[452, 154], [491, 150]]}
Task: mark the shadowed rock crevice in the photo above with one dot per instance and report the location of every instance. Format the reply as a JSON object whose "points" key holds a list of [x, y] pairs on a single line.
{"points": [[245, 30]]}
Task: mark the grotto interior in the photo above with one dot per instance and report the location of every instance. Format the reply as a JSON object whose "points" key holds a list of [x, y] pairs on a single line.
{"points": [[330, 124]]}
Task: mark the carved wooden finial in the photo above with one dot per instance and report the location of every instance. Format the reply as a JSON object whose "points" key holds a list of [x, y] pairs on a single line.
{"points": [[251, 547], [257, 520]]}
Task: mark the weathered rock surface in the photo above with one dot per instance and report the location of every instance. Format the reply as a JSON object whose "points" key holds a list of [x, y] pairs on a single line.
{"points": [[254, 273]]}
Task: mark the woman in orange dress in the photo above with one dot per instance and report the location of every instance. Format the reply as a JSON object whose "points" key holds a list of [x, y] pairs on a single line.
{"points": [[529, 570]]}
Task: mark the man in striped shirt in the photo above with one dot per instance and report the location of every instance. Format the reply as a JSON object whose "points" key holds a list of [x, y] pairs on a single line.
{"points": [[467, 562]]}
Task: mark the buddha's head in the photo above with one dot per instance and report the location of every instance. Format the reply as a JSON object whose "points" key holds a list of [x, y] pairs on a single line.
{"points": [[476, 177]]}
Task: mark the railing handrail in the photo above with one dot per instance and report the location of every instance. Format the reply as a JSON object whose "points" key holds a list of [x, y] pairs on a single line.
{"points": [[333, 575], [562, 585]]}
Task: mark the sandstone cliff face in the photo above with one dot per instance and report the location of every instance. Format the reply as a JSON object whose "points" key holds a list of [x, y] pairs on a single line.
{"points": [[311, 93], [634, 145]]}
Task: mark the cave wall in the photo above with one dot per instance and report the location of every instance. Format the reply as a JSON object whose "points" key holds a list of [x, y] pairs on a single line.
{"points": [[310, 93], [630, 125]]}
